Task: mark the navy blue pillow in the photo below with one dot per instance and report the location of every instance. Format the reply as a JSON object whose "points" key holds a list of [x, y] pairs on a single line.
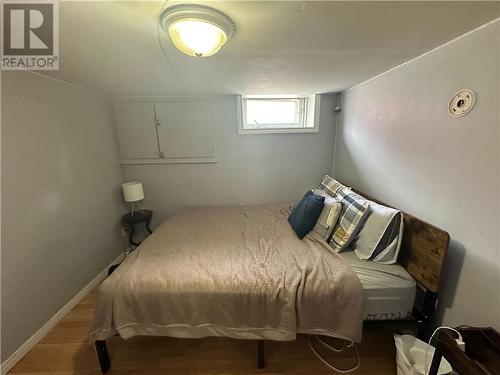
{"points": [[305, 214]]}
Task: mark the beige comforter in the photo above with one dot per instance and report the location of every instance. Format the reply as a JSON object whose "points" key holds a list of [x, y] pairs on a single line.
{"points": [[239, 272]]}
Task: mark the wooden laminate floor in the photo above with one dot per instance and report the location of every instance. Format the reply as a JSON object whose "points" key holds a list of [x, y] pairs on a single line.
{"points": [[66, 350]]}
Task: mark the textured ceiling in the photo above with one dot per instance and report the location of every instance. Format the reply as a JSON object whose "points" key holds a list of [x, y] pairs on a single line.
{"points": [[279, 47]]}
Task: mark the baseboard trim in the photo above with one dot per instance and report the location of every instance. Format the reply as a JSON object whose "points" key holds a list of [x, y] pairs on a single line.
{"points": [[10, 362]]}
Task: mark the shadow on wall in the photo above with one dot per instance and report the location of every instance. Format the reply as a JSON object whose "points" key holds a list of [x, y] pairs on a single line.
{"points": [[344, 156], [449, 279]]}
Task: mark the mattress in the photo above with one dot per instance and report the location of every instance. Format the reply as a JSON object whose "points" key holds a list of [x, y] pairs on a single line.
{"points": [[388, 289]]}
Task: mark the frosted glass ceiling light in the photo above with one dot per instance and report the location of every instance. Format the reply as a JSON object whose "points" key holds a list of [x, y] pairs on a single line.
{"points": [[197, 30]]}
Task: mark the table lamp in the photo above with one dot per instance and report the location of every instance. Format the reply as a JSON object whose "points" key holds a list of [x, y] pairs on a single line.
{"points": [[133, 192]]}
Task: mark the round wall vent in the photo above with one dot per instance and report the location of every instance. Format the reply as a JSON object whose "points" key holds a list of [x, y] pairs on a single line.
{"points": [[461, 103]]}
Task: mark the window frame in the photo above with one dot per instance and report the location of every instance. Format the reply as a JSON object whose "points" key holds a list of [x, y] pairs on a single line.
{"points": [[309, 118]]}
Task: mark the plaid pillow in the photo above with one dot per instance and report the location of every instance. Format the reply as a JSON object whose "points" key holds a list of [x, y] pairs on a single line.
{"points": [[330, 186], [354, 212]]}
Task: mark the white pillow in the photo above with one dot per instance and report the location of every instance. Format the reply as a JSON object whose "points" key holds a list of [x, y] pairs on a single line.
{"points": [[380, 236]]}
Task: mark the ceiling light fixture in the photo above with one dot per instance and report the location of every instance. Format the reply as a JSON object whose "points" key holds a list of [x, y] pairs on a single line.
{"points": [[197, 30]]}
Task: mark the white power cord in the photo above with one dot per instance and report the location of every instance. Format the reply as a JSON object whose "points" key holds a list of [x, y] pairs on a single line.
{"points": [[460, 344], [335, 350], [331, 347], [459, 340]]}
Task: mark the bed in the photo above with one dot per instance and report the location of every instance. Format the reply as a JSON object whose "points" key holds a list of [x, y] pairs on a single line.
{"points": [[241, 272], [388, 289]]}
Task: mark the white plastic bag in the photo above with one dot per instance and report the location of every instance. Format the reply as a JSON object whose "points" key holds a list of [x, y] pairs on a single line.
{"points": [[414, 357]]}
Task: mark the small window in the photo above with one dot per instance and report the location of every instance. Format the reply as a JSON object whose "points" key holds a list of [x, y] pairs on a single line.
{"points": [[278, 114]]}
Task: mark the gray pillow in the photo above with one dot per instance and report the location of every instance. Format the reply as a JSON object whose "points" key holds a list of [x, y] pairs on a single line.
{"points": [[380, 236], [330, 186]]}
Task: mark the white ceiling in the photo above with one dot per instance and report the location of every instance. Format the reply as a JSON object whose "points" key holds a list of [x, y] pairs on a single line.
{"points": [[279, 47]]}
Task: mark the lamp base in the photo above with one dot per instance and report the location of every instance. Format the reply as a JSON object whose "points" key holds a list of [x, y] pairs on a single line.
{"points": [[136, 207]]}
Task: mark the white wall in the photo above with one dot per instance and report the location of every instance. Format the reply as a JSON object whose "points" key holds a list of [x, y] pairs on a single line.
{"points": [[250, 169], [398, 143], [61, 199]]}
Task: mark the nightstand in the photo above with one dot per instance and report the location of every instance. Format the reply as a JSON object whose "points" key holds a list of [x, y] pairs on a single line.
{"points": [[481, 356], [138, 217]]}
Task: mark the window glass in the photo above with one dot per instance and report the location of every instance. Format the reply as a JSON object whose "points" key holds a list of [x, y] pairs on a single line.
{"points": [[278, 113], [272, 112]]}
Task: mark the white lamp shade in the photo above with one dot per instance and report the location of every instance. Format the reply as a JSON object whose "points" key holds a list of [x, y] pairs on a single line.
{"points": [[132, 191]]}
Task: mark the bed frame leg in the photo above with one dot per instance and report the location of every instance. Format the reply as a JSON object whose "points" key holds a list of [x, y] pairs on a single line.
{"points": [[103, 355], [260, 354]]}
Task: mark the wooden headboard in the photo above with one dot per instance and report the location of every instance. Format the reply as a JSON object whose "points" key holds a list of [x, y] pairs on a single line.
{"points": [[423, 249]]}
